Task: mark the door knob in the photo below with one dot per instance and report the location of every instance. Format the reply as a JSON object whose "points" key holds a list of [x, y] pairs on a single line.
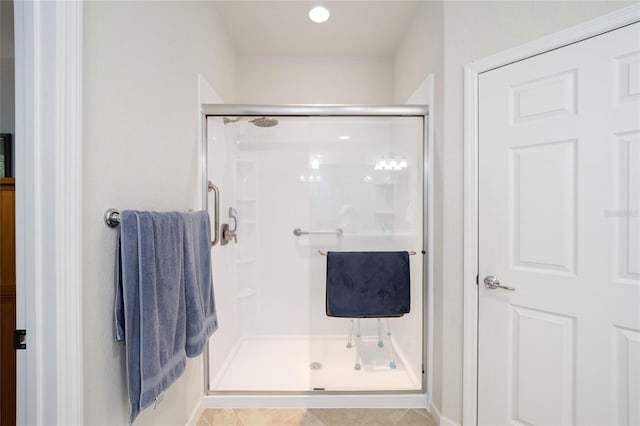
{"points": [[492, 283]]}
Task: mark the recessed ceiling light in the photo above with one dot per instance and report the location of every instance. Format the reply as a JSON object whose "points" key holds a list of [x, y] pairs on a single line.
{"points": [[319, 14], [344, 137]]}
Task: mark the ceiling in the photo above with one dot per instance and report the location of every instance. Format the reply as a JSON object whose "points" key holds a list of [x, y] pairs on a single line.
{"points": [[282, 28]]}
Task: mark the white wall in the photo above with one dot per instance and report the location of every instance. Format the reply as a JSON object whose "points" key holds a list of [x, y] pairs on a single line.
{"points": [[314, 80], [141, 151], [7, 64], [141, 65], [473, 30], [421, 51]]}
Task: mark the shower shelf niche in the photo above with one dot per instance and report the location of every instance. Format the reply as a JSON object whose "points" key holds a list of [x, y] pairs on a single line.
{"points": [[246, 292], [247, 248]]}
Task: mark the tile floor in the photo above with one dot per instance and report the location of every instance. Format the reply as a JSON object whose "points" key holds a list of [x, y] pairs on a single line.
{"points": [[316, 417]]}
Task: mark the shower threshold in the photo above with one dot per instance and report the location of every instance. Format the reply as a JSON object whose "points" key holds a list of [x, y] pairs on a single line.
{"points": [[318, 400]]}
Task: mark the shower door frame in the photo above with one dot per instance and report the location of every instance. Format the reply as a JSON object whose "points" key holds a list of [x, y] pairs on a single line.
{"points": [[344, 110]]}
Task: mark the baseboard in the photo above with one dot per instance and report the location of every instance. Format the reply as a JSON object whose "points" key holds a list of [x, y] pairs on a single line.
{"points": [[440, 419], [195, 414]]}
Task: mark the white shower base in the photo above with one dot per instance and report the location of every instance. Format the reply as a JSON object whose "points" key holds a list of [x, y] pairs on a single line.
{"points": [[283, 364]]}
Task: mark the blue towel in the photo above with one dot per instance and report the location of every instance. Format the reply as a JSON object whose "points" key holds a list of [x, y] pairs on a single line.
{"points": [[368, 284], [152, 303], [202, 319], [164, 306]]}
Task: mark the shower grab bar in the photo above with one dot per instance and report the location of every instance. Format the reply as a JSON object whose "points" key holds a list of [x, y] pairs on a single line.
{"points": [[324, 253], [216, 212], [297, 232]]}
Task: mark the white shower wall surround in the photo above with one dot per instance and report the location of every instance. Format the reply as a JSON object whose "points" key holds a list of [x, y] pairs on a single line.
{"points": [[316, 172]]}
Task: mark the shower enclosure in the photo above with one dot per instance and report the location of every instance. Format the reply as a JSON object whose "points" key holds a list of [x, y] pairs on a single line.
{"points": [[291, 183]]}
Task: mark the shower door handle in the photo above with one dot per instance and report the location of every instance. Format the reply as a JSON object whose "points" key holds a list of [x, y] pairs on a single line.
{"points": [[228, 233], [216, 212]]}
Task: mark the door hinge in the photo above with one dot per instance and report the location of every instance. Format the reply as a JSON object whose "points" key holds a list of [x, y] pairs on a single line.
{"points": [[477, 279], [20, 339]]}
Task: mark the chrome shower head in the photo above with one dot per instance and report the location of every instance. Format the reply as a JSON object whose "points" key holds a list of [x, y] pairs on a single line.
{"points": [[260, 122], [227, 120], [264, 122]]}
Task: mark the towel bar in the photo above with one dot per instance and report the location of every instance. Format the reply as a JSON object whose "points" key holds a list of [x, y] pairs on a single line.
{"points": [[324, 253], [112, 217]]}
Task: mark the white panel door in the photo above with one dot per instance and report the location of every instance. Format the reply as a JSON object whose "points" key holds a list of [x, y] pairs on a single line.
{"points": [[559, 222]]}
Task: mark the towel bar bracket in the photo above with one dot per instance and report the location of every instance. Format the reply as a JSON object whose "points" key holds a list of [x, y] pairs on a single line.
{"points": [[112, 218]]}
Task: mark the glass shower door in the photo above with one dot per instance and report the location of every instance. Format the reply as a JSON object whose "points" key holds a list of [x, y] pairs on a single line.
{"points": [[365, 188], [345, 184]]}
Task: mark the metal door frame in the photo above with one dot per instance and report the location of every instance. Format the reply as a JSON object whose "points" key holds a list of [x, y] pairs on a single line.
{"points": [[422, 111]]}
